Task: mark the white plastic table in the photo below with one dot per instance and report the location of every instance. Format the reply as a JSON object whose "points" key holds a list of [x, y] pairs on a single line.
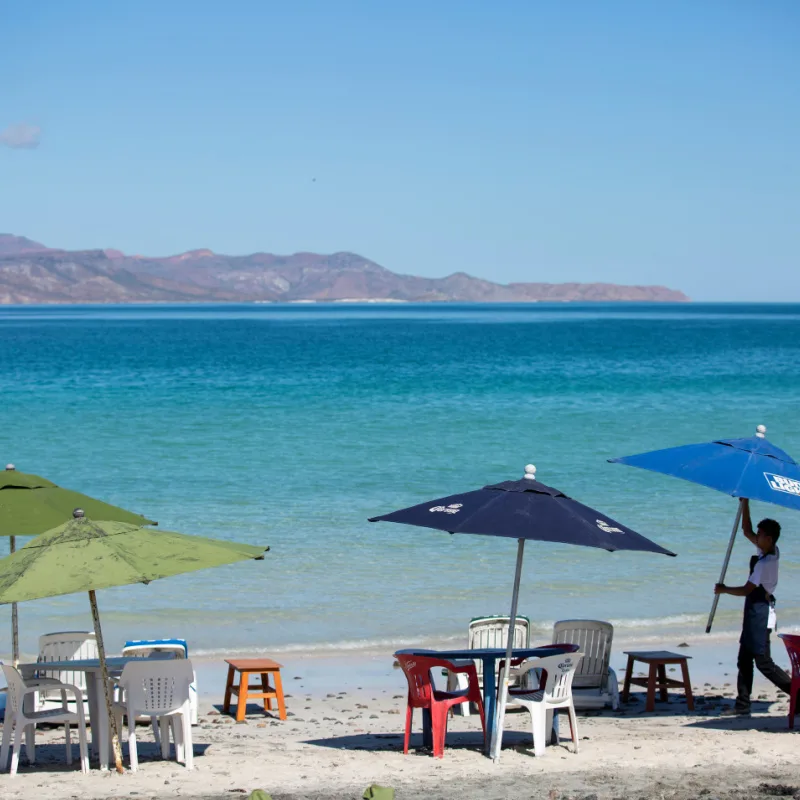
{"points": [[98, 715]]}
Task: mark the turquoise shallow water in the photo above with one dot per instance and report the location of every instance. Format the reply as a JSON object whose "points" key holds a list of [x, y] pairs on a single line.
{"points": [[290, 425]]}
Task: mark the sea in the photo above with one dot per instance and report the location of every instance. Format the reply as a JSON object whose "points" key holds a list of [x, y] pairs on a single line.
{"points": [[291, 425]]}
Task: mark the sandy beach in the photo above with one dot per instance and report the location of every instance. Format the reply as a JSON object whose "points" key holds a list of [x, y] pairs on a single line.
{"points": [[344, 732]]}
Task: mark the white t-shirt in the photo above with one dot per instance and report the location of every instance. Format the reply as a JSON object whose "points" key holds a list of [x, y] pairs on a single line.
{"points": [[765, 572]]}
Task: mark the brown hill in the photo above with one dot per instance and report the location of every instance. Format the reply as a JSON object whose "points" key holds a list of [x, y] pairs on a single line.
{"points": [[32, 273]]}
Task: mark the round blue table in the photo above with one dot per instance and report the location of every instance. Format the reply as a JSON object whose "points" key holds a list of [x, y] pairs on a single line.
{"points": [[489, 656]]}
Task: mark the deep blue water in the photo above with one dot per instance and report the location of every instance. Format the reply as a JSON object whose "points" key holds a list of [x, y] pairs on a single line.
{"points": [[290, 425]]}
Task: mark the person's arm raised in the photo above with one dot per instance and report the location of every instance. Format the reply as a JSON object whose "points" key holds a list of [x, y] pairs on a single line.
{"points": [[747, 523]]}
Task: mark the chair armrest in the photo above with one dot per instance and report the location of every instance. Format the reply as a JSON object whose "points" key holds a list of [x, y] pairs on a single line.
{"points": [[73, 690], [43, 682], [460, 666]]}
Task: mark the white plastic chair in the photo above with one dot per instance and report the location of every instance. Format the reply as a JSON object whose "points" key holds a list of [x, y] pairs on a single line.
{"points": [[544, 703], [65, 646], [20, 720], [165, 648], [595, 684], [487, 632], [157, 689]]}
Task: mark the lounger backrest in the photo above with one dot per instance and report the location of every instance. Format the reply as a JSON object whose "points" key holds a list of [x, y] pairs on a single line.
{"points": [[594, 639], [493, 632], [67, 646]]}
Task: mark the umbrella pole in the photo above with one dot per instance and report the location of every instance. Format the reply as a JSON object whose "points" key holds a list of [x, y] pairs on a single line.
{"points": [[12, 548], [101, 652], [497, 732], [725, 566]]}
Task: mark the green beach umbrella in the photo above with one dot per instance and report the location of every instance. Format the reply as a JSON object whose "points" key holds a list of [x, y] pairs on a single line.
{"points": [[84, 555], [30, 505]]}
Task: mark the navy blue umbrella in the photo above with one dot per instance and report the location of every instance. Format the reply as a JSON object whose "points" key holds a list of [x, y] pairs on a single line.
{"points": [[523, 509], [752, 467]]}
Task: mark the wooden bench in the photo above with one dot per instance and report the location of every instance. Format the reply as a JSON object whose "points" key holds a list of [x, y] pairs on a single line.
{"points": [[254, 666], [657, 679]]}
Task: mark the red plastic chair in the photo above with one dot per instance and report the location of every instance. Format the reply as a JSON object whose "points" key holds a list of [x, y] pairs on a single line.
{"points": [[422, 693], [792, 642]]}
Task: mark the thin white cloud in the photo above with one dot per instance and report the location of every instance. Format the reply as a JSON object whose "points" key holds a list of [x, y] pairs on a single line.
{"points": [[21, 136]]}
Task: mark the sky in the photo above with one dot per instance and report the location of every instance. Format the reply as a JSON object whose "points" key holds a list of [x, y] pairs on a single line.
{"points": [[628, 141]]}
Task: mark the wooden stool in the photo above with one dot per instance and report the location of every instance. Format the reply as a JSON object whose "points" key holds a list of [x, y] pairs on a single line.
{"points": [[246, 667], [658, 660]]}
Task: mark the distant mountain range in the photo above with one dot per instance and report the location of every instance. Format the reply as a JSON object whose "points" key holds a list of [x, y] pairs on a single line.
{"points": [[33, 273]]}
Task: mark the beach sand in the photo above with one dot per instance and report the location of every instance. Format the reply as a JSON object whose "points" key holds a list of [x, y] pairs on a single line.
{"points": [[344, 732]]}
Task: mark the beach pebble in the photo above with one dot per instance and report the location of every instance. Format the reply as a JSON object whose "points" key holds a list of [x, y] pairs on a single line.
{"points": [[374, 716], [683, 644]]}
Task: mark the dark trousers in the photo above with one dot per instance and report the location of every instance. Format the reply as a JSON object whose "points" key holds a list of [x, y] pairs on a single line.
{"points": [[766, 666]]}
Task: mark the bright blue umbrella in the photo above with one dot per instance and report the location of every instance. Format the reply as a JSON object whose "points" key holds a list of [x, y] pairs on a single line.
{"points": [[752, 467]]}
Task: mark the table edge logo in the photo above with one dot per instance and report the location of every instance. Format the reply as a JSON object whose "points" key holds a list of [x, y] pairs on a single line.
{"points": [[779, 483], [454, 508]]}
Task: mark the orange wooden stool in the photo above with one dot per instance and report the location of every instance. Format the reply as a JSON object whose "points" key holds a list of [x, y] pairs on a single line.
{"points": [[247, 667]]}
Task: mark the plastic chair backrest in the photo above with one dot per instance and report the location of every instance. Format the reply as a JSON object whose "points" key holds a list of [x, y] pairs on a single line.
{"points": [[155, 686], [417, 670], [594, 639], [493, 632], [16, 686], [67, 646], [792, 642], [560, 671]]}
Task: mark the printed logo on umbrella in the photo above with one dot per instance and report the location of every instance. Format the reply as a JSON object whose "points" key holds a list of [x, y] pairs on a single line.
{"points": [[454, 508], [606, 528], [781, 484]]}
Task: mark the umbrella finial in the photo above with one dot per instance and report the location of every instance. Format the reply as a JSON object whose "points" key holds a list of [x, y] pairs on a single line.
{"points": [[761, 431], [78, 513], [10, 467], [530, 472]]}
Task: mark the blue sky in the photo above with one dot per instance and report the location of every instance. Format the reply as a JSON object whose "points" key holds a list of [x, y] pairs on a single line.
{"points": [[632, 142]]}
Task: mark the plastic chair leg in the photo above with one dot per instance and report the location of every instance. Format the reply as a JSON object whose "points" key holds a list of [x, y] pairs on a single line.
{"points": [[83, 747], [69, 743], [30, 743], [133, 753], [795, 691], [439, 726], [573, 726], [539, 730], [177, 737], [16, 746], [188, 754], [8, 727], [164, 737], [156, 734], [409, 718]]}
